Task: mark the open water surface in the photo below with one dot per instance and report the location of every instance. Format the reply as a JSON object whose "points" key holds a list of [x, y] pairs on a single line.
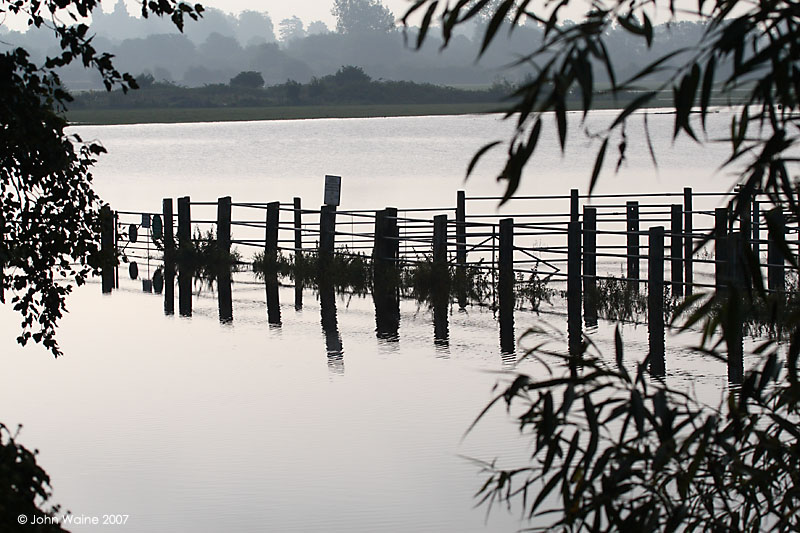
{"points": [[190, 424]]}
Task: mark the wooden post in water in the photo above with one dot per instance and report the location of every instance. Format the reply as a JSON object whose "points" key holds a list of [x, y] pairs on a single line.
{"points": [[505, 293], [385, 244], [776, 271], [746, 220], [676, 249], [574, 332], [271, 236], [574, 205], [734, 323], [590, 266], [116, 250], [224, 292], [756, 225], [688, 241], [107, 248], [461, 248], [632, 229], [169, 230], [327, 231], [655, 300], [461, 228], [169, 288], [184, 221], [298, 252], [184, 240], [385, 294], [720, 249], [440, 241], [224, 225], [298, 228]]}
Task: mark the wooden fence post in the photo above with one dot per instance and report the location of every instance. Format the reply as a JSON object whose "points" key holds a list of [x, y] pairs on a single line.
{"points": [[505, 292], [574, 205], [107, 248], [224, 297], [169, 288], [776, 271], [735, 282], [440, 240], [169, 230], [574, 332], [224, 225], [720, 248], [327, 231], [590, 266], [383, 246], [272, 225], [184, 221], [632, 228], [688, 241], [756, 225], [461, 228], [655, 300], [298, 228], [676, 249]]}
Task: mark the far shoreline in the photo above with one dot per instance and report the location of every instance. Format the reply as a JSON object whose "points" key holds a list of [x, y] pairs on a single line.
{"points": [[187, 115], [176, 115]]}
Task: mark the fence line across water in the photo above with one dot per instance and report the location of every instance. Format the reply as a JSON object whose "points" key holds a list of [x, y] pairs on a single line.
{"points": [[575, 241]]}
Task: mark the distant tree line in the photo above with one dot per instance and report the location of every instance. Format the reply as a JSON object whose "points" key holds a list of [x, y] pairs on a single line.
{"points": [[350, 85], [220, 45]]}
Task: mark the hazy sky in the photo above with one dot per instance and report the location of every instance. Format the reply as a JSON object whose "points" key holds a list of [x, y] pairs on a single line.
{"points": [[307, 10]]}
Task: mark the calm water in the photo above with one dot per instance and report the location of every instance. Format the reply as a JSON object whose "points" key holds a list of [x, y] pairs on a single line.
{"points": [[193, 425]]}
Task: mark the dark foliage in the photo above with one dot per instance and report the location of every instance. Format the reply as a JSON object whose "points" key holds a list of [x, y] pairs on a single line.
{"points": [[248, 80], [49, 226], [615, 449], [24, 488], [348, 86]]}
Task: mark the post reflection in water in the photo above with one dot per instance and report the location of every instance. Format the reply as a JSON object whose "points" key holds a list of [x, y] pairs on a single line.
{"points": [[273, 300], [224, 297], [441, 324], [330, 328], [387, 312], [298, 295], [185, 293], [508, 344]]}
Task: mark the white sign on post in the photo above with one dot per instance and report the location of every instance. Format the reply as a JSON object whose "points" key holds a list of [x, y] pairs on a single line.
{"points": [[333, 190]]}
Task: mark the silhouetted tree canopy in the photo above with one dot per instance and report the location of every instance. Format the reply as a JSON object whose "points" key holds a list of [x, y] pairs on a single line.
{"points": [[613, 448], [248, 80], [24, 487], [362, 16], [50, 219]]}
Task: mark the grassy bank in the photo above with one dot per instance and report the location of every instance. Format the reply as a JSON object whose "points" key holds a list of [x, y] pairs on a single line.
{"points": [[230, 114]]}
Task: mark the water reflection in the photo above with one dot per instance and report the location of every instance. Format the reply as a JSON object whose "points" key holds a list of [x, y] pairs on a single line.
{"points": [[273, 301], [330, 328], [298, 295], [224, 297], [441, 323], [508, 343]]}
